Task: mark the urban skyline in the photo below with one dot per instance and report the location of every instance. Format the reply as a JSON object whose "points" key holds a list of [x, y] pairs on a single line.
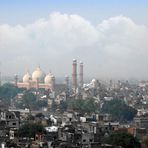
{"points": [[110, 37], [73, 74]]}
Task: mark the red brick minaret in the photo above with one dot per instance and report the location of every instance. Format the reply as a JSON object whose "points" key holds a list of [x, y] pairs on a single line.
{"points": [[74, 74]]}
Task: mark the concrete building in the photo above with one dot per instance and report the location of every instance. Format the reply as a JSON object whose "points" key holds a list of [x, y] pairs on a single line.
{"points": [[141, 121]]}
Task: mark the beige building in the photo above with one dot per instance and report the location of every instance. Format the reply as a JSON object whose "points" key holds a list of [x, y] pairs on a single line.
{"points": [[37, 80]]}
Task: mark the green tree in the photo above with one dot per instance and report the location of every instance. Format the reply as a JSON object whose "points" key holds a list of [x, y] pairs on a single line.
{"points": [[89, 106], [119, 110], [9, 91], [29, 100], [40, 115], [83, 106], [30, 129], [53, 106], [145, 141], [41, 103], [124, 139], [63, 106]]}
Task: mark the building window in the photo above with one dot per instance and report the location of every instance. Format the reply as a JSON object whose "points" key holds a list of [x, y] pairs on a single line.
{"points": [[13, 123]]}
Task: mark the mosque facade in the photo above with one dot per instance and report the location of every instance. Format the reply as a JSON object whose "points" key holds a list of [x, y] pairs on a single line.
{"points": [[37, 80]]}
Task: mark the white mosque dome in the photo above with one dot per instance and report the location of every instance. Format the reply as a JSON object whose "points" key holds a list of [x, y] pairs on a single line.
{"points": [[94, 82], [26, 78], [48, 79], [38, 75]]}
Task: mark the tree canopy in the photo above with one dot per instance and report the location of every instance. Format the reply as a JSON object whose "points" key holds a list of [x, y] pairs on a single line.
{"points": [[29, 99], [83, 106], [41, 103], [119, 110], [9, 91], [145, 141], [30, 129], [123, 139]]}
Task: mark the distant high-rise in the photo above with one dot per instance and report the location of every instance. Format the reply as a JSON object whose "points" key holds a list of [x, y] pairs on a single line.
{"points": [[74, 75], [81, 74]]}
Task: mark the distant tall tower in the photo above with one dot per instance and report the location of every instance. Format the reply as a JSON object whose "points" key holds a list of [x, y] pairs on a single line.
{"points": [[81, 74], [74, 74]]}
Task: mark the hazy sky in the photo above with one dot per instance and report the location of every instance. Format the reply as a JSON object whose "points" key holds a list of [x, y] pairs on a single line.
{"points": [[109, 36]]}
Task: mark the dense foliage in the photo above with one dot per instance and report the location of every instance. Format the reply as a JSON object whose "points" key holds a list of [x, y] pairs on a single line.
{"points": [[63, 106], [119, 110], [145, 141], [30, 129], [123, 139], [29, 100], [41, 103], [8, 91], [83, 106]]}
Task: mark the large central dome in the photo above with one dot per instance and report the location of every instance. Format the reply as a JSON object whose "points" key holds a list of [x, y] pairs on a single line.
{"points": [[38, 75]]}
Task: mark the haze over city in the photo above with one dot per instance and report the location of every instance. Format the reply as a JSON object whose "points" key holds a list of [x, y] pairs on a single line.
{"points": [[110, 37], [73, 74]]}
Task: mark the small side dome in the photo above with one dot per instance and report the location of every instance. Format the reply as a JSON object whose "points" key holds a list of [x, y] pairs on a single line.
{"points": [[38, 75], [26, 78], [94, 82], [48, 79]]}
